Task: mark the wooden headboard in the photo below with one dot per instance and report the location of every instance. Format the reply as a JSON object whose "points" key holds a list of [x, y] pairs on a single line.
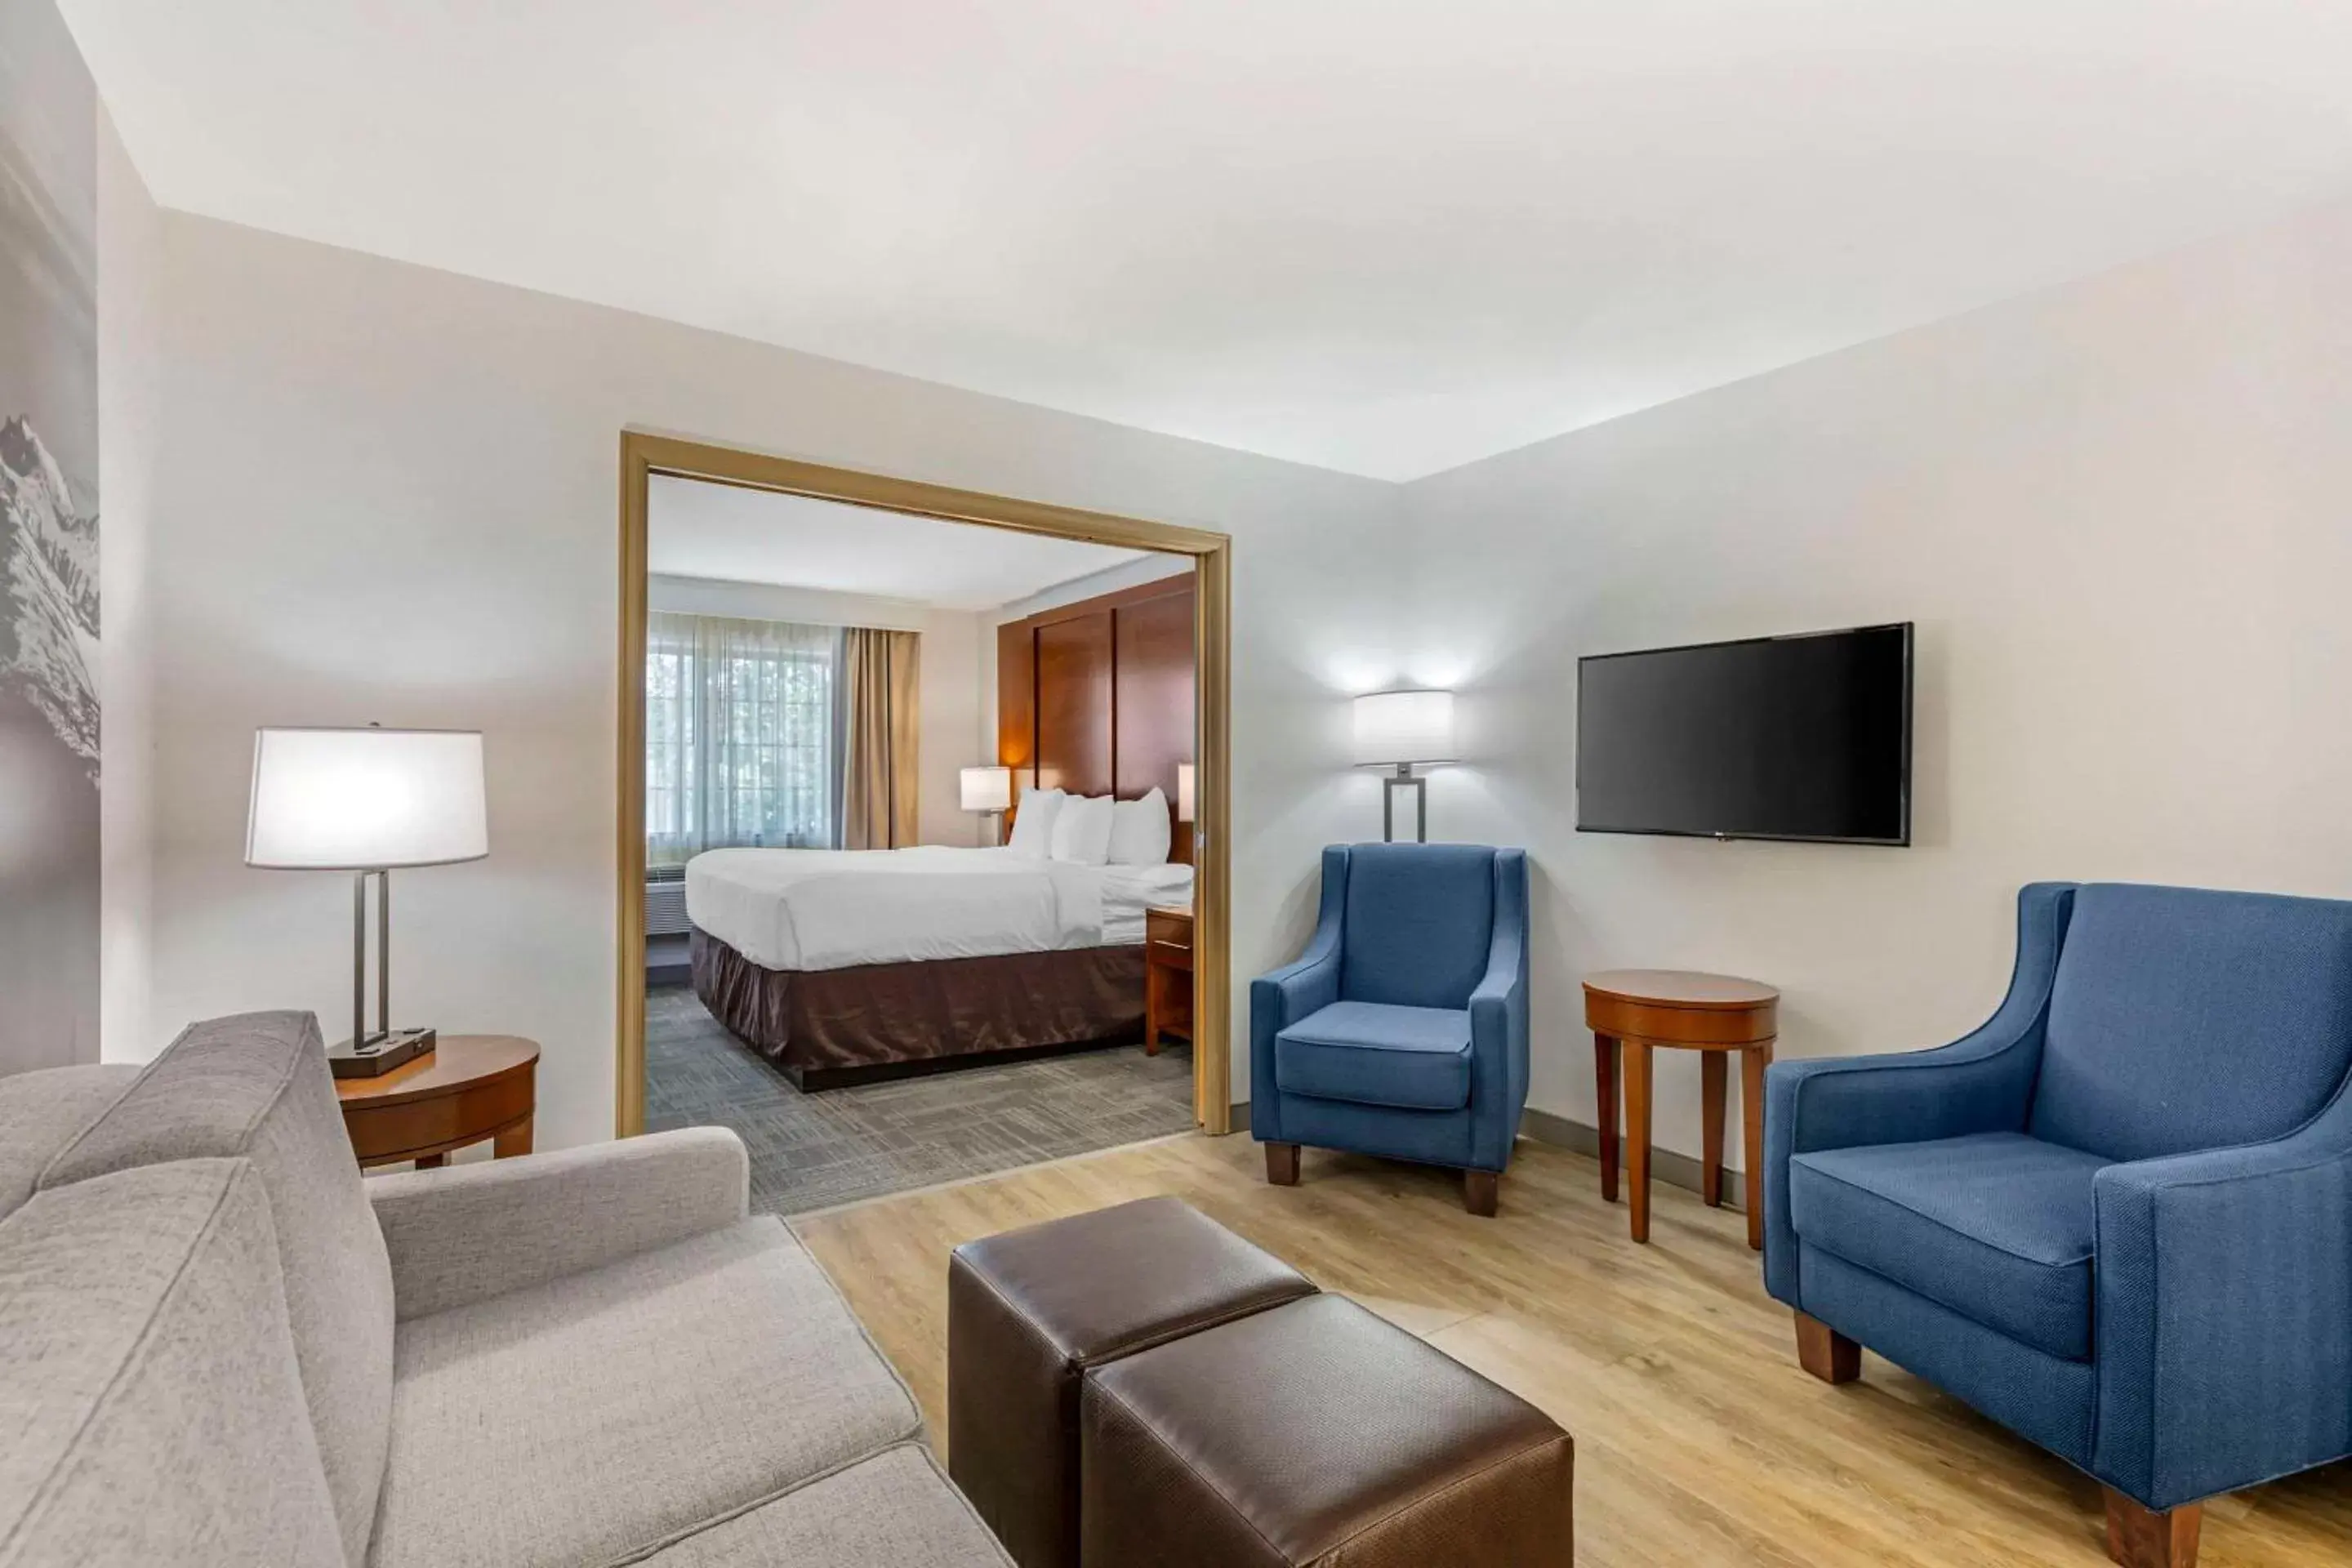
{"points": [[1097, 697]]}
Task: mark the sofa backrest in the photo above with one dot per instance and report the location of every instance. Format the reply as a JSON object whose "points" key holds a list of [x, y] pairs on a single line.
{"points": [[257, 1085], [1417, 923], [2185, 1019], [151, 1409], [41, 1112]]}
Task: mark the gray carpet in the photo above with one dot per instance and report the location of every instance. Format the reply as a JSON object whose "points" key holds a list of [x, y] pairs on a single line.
{"points": [[814, 1151]]}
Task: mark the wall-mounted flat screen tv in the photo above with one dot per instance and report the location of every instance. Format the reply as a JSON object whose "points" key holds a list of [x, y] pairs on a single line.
{"points": [[1803, 737]]}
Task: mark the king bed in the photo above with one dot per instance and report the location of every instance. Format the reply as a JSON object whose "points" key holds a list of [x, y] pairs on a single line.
{"points": [[841, 966]]}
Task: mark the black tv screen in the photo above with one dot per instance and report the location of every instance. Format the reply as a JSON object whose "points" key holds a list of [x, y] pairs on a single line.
{"points": [[1797, 737]]}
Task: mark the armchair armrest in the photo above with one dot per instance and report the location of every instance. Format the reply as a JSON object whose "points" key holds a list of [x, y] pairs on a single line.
{"points": [[1980, 1083], [1281, 997], [470, 1232], [2223, 1313], [1498, 1022]]}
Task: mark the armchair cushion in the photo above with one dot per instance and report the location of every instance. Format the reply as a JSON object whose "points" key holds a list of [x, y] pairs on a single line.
{"points": [[1996, 1226], [1373, 1054], [1419, 921], [2184, 1018]]}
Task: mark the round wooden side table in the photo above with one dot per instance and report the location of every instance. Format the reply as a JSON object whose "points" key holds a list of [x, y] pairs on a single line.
{"points": [[466, 1089], [1715, 1015]]}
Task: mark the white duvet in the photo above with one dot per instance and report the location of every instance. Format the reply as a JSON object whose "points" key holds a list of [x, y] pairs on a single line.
{"points": [[832, 909]]}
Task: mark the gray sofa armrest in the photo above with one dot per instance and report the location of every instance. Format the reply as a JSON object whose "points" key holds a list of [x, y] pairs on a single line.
{"points": [[470, 1232]]}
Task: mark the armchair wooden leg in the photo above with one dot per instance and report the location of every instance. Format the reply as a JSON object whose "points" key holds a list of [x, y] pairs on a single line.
{"points": [[2141, 1538], [1826, 1353], [1282, 1164], [1482, 1193]]}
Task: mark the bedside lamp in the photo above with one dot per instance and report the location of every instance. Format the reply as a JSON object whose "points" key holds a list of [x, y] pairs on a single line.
{"points": [[1404, 730], [988, 790], [366, 801], [1184, 787]]}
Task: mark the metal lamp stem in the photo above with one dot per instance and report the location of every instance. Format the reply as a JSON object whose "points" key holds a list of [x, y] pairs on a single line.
{"points": [[1404, 778], [360, 1032]]}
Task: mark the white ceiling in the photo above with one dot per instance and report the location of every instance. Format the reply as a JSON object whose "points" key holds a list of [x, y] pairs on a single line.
{"points": [[1384, 238], [700, 530]]}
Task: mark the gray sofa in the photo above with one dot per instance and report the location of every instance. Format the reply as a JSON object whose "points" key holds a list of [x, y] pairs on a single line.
{"points": [[219, 1345]]}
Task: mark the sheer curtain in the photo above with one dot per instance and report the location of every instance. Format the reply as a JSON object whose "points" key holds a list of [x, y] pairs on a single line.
{"points": [[739, 735]]}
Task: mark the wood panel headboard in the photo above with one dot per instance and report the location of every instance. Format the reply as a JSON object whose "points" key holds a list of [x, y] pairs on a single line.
{"points": [[1097, 697]]}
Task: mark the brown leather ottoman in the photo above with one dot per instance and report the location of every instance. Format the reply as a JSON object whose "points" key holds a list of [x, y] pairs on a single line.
{"points": [[1316, 1434], [1030, 1312]]}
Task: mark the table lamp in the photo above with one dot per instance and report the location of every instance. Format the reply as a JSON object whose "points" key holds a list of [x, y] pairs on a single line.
{"points": [[1404, 728], [366, 801], [988, 790]]}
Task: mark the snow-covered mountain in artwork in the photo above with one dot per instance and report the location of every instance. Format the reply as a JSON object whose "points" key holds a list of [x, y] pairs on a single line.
{"points": [[48, 553]]}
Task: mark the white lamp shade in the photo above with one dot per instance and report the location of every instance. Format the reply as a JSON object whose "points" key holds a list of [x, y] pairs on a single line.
{"points": [[1405, 727], [353, 800], [1184, 793], [987, 789]]}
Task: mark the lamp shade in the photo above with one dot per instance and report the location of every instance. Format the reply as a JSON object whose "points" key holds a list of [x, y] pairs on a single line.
{"points": [[987, 789], [363, 800], [1184, 787], [1405, 727]]}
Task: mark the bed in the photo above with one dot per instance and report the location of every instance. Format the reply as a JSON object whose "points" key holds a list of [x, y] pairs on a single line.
{"points": [[844, 966]]}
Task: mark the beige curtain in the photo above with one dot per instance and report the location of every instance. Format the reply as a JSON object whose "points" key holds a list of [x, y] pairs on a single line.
{"points": [[879, 761]]}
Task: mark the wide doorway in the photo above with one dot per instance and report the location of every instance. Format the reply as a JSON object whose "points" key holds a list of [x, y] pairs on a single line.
{"points": [[921, 858]]}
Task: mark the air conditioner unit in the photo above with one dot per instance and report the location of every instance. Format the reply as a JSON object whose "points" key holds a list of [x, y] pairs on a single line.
{"points": [[666, 902]]}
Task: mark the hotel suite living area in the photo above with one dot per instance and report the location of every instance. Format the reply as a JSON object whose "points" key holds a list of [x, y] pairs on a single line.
{"points": [[1829, 521]]}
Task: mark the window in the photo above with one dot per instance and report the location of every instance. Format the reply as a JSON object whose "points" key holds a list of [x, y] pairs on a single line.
{"points": [[739, 735]]}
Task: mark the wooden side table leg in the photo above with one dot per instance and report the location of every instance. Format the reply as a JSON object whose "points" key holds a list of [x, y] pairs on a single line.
{"points": [[1604, 1074], [1637, 1136], [1150, 1008], [515, 1139], [1752, 1063], [1713, 1071]]}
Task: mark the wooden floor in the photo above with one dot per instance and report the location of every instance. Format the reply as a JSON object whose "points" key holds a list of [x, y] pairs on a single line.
{"points": [[1699, 1442]]}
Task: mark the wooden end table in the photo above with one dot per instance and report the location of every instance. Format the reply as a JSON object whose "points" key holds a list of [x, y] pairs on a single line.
{"points": [[1167, 974], [1715, 1015], [466, 1089]]}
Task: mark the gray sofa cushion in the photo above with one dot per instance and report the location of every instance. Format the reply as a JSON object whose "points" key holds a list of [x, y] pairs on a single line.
{"points": [[257, 1085], [597, 1417], [151, 1410], [41, 1112], [893, 1510]]}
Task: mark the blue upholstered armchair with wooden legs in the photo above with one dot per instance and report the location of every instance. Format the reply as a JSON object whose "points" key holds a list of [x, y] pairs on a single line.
{"points": [[1402, 1032], [2118, 1219]]}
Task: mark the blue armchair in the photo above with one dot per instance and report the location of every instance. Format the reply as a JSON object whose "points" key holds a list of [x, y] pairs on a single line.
{"points": [[2117, 1219], [1402, 1032]]}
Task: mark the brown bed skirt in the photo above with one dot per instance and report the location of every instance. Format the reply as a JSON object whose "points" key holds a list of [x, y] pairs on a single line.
{"points": [[830, 1028]]}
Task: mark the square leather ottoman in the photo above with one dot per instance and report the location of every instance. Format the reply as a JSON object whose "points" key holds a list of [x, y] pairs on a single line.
{"points": [[1030, 1312], [1316, 1434]]}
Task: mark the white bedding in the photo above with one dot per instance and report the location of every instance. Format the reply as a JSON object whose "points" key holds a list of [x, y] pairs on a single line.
{"points": [[832, 909]]}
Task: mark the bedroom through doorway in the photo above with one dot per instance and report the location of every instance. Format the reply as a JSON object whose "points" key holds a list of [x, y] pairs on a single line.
{"points": [[919, 798]]}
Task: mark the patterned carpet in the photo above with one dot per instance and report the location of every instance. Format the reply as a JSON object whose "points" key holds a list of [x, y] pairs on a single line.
{"points": [[814, 1151]]}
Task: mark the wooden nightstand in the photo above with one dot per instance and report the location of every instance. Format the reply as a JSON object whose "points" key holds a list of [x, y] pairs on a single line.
{"points": [[1167, 975], [470, 1088]]}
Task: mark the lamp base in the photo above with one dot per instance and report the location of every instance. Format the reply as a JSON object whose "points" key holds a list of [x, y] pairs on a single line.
{"points": [[380, 1054]]}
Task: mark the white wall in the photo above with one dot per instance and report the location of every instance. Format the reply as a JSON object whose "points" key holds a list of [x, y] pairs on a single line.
{"points": [[2121, 514], [130, 371], [389, 492], [947, 678]]}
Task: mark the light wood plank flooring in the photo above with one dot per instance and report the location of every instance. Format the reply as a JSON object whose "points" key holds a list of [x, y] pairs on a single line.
{"points": [[1699, 1442]]}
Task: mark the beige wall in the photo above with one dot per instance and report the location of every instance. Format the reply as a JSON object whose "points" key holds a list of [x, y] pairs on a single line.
{"points": [[388, 493], [130, 373], [2121, 514]]}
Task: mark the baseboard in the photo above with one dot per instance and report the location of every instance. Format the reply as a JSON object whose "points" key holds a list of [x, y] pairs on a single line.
{"points": [[1543, 1127], [1665, 1166]]}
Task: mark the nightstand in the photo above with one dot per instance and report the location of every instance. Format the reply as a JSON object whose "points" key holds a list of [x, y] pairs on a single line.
{"points": [[466, 1090], [1167, 975]]}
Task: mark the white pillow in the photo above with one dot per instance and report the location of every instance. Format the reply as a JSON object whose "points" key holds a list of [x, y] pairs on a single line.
{"points": [[1082, 830], [1140, 835], [1032, 824]]}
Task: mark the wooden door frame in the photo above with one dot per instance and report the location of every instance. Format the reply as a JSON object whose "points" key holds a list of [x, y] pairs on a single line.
{"points": [[645, 454]]}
